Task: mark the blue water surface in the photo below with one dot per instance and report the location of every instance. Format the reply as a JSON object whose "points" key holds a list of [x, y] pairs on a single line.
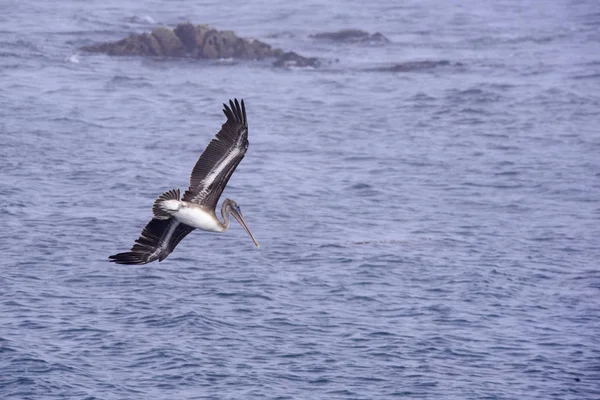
{"points": [[431, 233]]}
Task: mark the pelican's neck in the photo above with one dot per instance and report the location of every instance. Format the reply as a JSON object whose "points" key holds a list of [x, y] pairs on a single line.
{"points": [[225, 214]]}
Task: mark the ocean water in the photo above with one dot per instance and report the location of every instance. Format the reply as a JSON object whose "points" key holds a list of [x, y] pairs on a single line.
{"points": [[432, 233]]}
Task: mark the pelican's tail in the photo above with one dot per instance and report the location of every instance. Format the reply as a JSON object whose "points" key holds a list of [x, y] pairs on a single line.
{"points": [[166, 204]]}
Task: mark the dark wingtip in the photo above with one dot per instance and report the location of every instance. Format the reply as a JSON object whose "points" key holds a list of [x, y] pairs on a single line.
{"points": [[235, 112], [127, 258], [244, 113]]}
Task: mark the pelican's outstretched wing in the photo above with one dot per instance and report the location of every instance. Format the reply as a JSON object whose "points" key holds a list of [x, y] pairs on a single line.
{"points": [[158, 239], [223, 154]]}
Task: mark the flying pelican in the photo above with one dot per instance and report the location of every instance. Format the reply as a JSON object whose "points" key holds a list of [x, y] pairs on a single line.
{"points": [[174, 218]]}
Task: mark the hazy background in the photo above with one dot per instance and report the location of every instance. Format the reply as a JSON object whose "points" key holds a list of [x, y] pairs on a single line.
{"points": [[428, 234]]}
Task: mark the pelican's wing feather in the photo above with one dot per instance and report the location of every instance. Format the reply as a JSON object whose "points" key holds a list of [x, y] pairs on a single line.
{"points": [[223, 154], [158, 239]]}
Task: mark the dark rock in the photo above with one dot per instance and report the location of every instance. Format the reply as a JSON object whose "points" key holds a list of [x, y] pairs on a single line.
{"points": [[199, 41], [210, 47], [220, 44], [152, 47], [256, 50], [186, 33], [351, 35], [169, 42], [378, 37], [291, 59], [416, 66], [201, 32]]}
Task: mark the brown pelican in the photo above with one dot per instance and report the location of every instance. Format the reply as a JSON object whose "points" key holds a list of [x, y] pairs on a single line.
{"points": [[174, 218]]}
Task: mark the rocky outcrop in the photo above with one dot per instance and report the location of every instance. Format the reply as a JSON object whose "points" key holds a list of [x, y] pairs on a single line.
{"points": [[291, 59], [351, 35], [198, 41], [204, 42]]}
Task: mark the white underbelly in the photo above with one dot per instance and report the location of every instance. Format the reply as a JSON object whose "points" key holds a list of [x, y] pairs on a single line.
{"points": [[197, 218]]}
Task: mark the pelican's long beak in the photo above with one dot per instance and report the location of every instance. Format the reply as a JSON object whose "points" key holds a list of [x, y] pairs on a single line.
{"points": [[237, 214]]}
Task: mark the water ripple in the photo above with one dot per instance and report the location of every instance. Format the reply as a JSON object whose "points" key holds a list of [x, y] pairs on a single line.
{"points": [[427, 235]]}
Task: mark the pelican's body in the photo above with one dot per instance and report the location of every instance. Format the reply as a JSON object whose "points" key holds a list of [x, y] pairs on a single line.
{"points": [[175, 217], [191, 214], [198, 217]]}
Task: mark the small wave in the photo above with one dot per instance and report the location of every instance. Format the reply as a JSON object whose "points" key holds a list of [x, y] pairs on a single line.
{"points": [[361, 186], [367, 242], [145, 19], [594, 76], [422, 97], [419, 66], [73, 59], [119, 81], [495, 186], [507, 173], [148, 19], [474, 95]]}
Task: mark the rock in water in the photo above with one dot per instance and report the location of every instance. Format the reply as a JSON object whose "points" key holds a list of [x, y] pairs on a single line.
{"points": [[411, 66], [291, 59], [169, 43], [351, 35], [198, 41]]}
